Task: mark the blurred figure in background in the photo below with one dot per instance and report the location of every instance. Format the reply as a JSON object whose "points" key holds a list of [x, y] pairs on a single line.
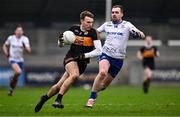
{"points": [[146, 54], [86, 45], [13, 49], [111, 60]]}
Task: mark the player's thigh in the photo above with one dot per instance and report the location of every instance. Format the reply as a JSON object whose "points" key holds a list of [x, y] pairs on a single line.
{"points": [[72, 68], [148, 72], [16, 68], [104, 65]]}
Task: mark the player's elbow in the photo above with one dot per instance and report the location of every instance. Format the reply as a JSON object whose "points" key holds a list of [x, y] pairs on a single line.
{"points": [[4, 46]]}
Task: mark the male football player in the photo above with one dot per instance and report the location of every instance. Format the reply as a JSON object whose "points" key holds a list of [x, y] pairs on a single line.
{"points": [[111, 60], [13, 49], [85, 46], [146, 54]]}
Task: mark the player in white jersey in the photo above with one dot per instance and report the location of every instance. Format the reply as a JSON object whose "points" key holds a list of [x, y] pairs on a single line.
{"points": [[13, 49], [117, 34]]}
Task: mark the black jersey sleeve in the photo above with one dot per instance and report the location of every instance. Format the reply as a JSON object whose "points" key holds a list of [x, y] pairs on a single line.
{"points": [[94, 34], [72, 28], [142, 49]]}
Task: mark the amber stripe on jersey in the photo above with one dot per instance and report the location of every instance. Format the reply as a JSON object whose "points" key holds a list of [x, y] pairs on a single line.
{"points": [[148, 53], [85, 41]]}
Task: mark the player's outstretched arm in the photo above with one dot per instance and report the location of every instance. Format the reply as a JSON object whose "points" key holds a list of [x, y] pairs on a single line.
{"points": [[98, 48], [96, 52], [136, 33]]}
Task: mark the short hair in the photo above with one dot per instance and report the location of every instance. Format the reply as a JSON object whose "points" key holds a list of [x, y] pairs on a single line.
{"points": [[19, 26], [119, 6], [86, 13]]}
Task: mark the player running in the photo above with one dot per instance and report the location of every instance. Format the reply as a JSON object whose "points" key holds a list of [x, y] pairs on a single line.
{"points": [[146, 54], [13, 49], [117, 34], [76, 59]]}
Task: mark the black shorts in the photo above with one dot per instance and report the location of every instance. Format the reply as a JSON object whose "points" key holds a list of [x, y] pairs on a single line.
{"points": [[82, 64], [151, 66]]}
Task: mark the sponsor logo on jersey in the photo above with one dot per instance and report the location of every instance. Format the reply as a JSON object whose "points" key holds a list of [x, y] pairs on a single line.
{"points": [[115, 33]]}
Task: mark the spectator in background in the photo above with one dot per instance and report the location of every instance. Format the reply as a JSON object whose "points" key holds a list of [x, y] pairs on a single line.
{"points": [[146, 54], [13, 49]]}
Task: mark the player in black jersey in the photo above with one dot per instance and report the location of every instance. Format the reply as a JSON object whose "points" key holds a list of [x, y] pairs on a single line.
{"points": [[147, 54], [86, 45]]}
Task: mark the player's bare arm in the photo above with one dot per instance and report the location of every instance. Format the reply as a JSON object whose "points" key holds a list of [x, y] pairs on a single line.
{"points": [[5, 50], [139, 55]]}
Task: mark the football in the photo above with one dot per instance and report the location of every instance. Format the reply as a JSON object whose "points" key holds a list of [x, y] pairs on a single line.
{"points": [[69, 37]]}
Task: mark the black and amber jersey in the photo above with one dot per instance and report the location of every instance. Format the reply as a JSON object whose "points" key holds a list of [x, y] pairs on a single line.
{"points": [[84, 40], [83, 43], [148, 54]]}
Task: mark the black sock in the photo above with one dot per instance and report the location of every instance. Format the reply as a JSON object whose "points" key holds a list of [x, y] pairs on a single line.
{"points": [[148, 82], [59, 98], [145, 88], [46, 97]]}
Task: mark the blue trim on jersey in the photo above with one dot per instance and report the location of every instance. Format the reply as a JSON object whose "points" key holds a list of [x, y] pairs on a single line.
{"points": [[115, 64], [21, 64]]}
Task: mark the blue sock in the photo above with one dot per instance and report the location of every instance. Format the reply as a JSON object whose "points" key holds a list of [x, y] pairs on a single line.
{"points": [[93, 95]]}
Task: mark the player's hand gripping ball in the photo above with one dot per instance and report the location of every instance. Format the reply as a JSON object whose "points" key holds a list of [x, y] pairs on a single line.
{"points": [[69, 37]]}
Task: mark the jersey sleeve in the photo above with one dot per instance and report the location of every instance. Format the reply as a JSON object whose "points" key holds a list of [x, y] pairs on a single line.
{"points": [[26, 42], [155, 48], [94, 34], [72, 28], [101, 28], [142, 49], [7, 42], [132, 27]]}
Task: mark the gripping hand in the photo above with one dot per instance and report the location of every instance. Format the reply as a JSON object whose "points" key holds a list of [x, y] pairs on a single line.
{"points": [[61, 41], [135, 34]]}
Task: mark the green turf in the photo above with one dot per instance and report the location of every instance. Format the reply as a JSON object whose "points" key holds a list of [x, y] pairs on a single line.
{"points": [[115, 101]]}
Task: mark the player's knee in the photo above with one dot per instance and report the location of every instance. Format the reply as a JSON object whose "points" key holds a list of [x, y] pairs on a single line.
{"points": [[18, 72], [74, 76], [103, 73], [148, 74]]}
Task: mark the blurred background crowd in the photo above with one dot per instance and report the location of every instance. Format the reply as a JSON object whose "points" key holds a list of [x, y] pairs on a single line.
{"points": [[44, 20]]}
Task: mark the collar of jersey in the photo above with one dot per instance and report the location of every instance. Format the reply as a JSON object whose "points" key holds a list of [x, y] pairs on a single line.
{"points": [[119, 22]]}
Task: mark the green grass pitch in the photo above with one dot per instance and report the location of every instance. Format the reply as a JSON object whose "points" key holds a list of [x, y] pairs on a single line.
{"points": [[114, 101]]}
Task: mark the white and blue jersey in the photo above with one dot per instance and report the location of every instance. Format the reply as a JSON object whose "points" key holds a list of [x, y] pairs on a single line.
{"points": [[114, 48], [16, 47], [117, 36]]}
